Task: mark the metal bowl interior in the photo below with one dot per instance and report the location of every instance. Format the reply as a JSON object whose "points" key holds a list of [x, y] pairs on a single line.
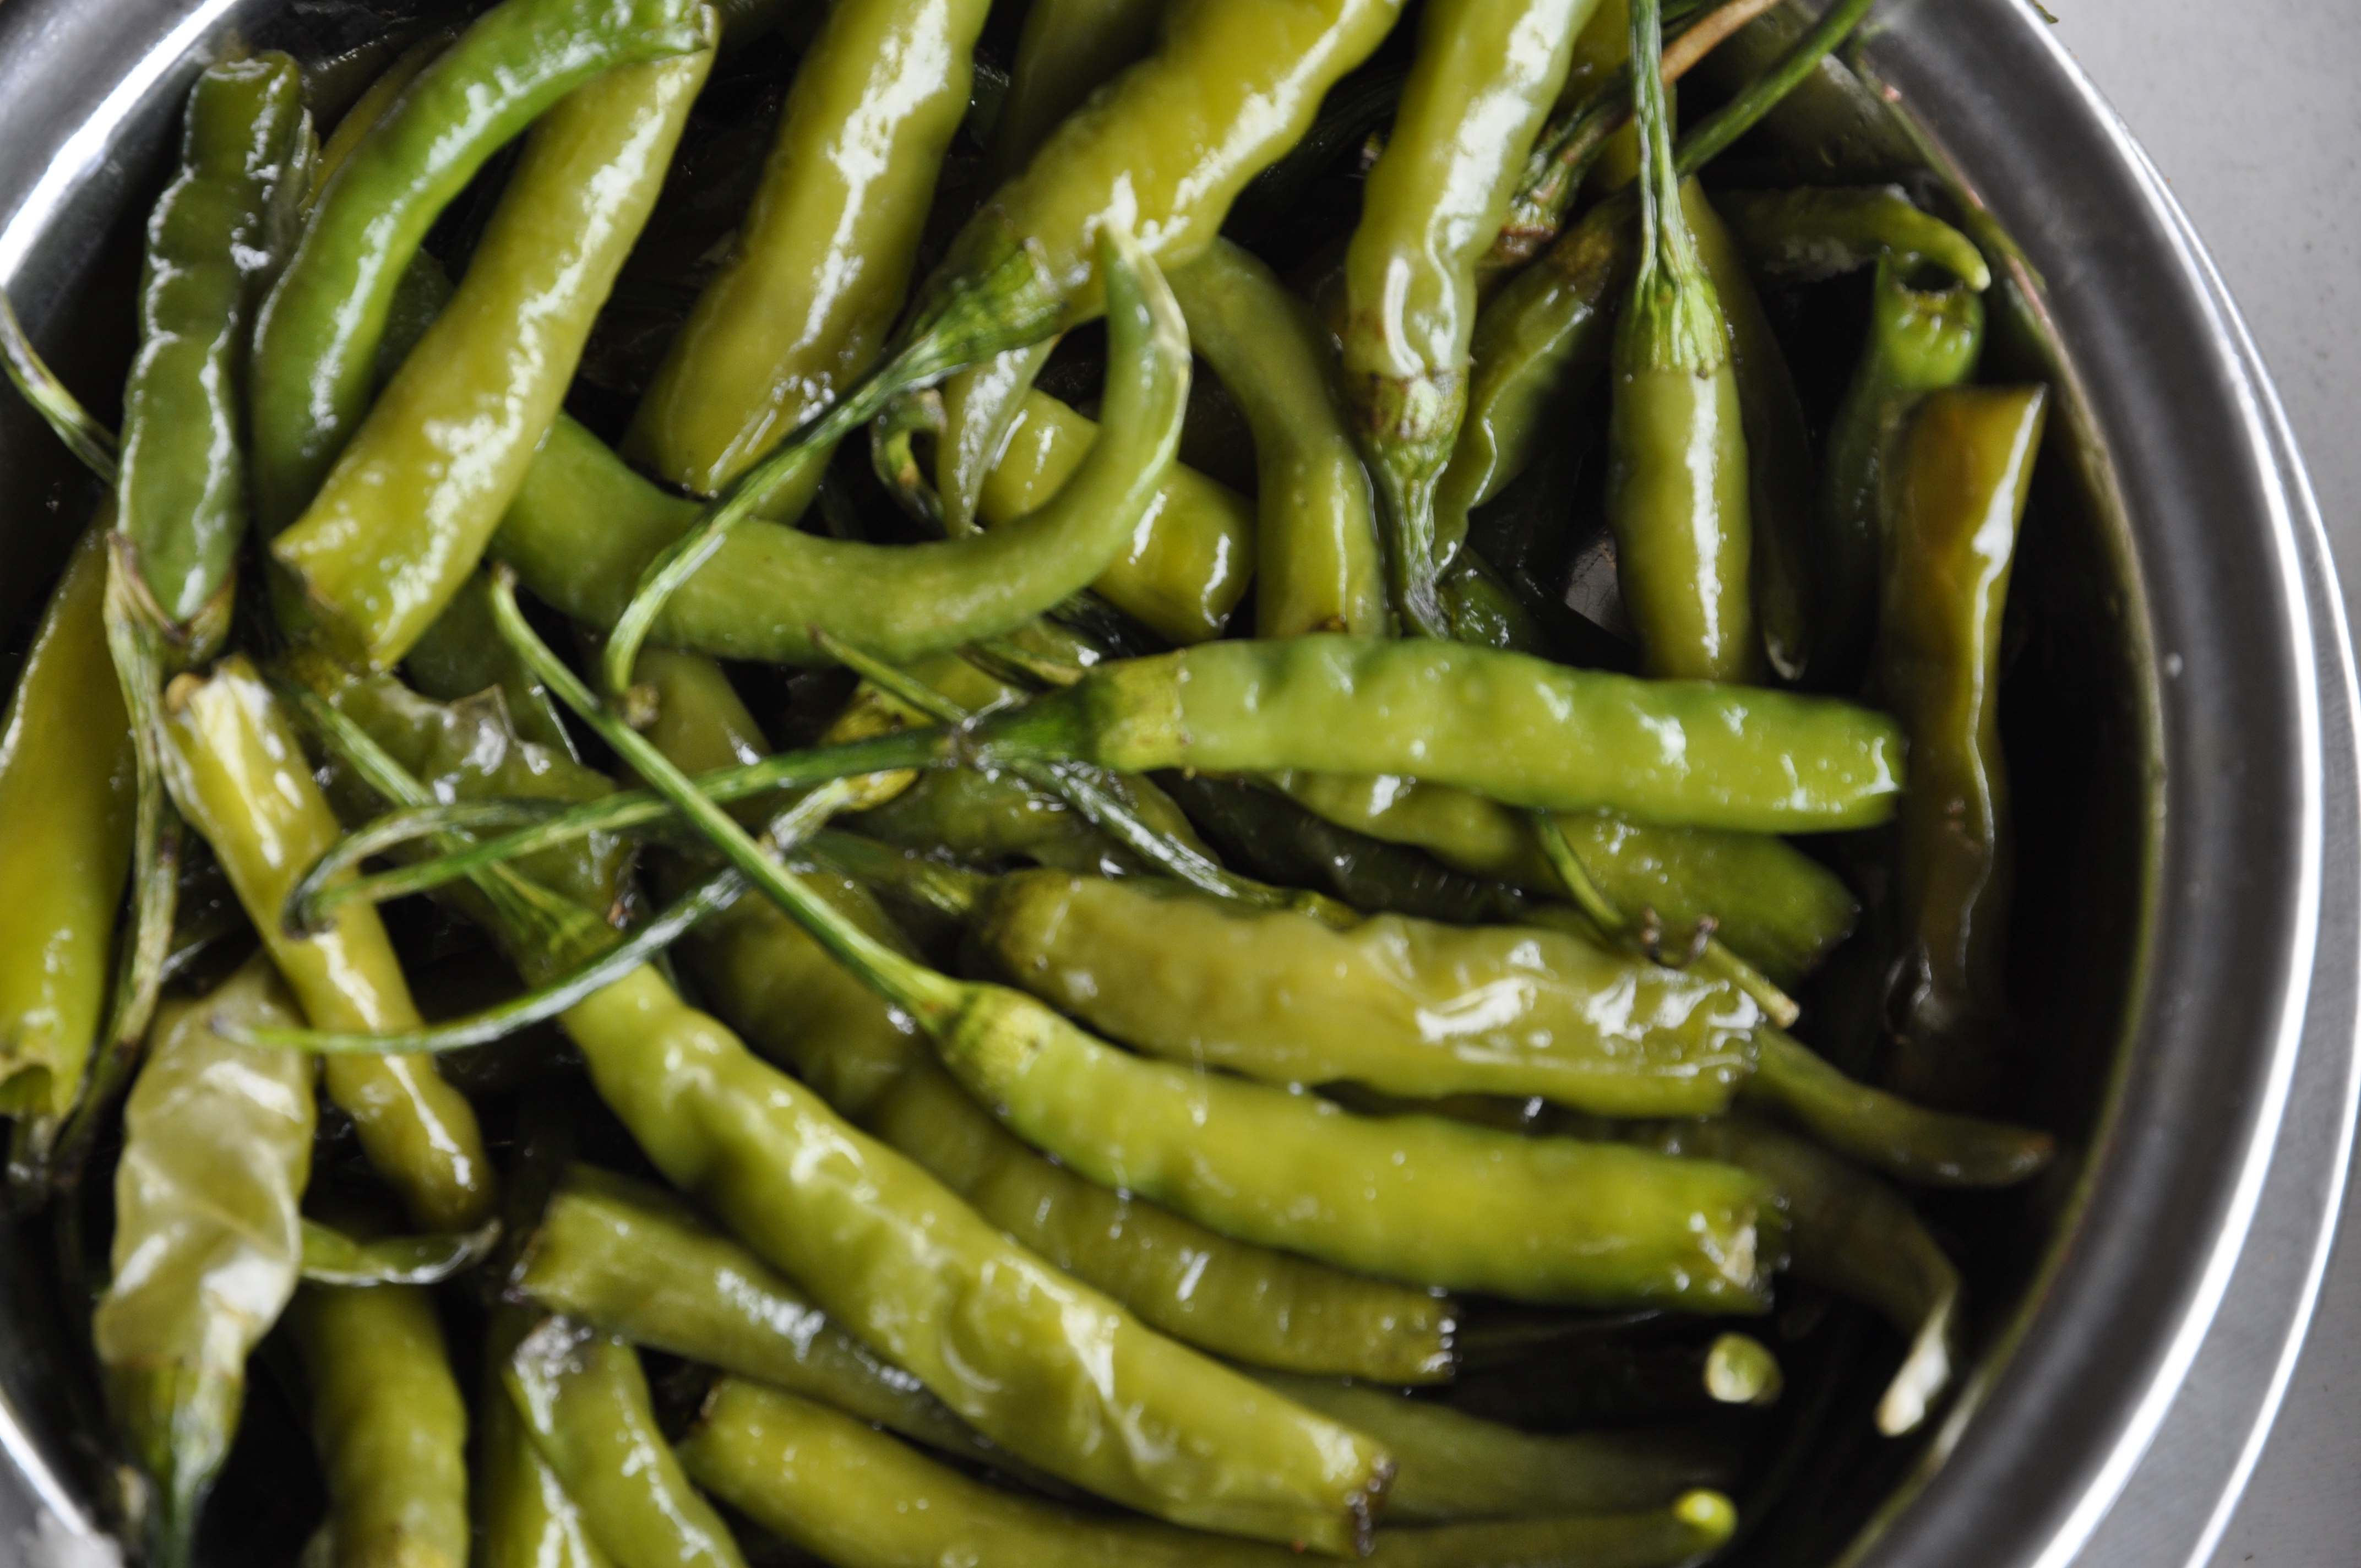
{"points": [[2163, 722]]}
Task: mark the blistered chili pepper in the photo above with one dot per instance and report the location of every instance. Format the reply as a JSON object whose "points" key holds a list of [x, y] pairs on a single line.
{"points": [[1960, 487], [402, 517], [1486, 74], [823, 255], [241, 778], [835, 1487], [586, 1401], [316, 339], [217, 1150]]}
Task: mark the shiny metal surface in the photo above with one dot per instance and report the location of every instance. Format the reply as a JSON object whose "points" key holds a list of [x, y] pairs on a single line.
{"points": [[2220, 661]]}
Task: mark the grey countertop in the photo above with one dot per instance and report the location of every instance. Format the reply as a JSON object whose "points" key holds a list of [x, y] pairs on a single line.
{"points": [[2250, 113]]}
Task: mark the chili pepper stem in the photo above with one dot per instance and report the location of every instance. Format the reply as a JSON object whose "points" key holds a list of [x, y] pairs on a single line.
{"points": [[1005, 304], [84, 436], [916, 989], [1712, 136], [951, 890]]}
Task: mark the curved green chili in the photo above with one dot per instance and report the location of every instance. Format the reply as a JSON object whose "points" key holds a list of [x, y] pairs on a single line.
{"points": [[580, 544], [215, 242], [217, 1150], [1318, 560], [834, 1488], [241, 778], [1960, 487], [823, 255], [390, 1424], [402, 518], [1519, 729], [332, 1257], [66, 805], [1885, 1131], [586, 1402], [1479, 88], [1919, 340], [1810, 232], [316, 338], [524, 1517]]}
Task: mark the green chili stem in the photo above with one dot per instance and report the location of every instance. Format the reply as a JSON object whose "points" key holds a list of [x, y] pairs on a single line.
{"points": [[716, 892], [910, 986], [1712, 958], [1712, 136], [996, 311], [84, 436], [317, 895]]}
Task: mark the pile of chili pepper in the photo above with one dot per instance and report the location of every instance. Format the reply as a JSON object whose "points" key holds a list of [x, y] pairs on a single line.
{"points": [[1077, 822]]}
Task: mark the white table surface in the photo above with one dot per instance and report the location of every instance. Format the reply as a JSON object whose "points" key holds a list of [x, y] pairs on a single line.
{"points": [[2250, 110]]}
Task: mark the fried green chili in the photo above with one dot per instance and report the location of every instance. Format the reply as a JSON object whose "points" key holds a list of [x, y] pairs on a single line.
{"points": [[217, 1150], [1518, 729], [582, 527], [315, 342], [1676, 446], [1318, 560], [1067, 49], [857, 1498], [823, 255], [402, 517], [66, 804], [390, 1423], [1959, 496], [241, 778], [1921, 339], [1888, 1133], [218, 234], [586, 1402]]}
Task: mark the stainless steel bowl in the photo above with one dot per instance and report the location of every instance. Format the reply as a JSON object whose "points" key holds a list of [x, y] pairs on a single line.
{"points": [[2182, 727]]}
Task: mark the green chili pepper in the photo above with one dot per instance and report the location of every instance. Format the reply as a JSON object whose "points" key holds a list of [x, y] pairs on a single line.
{"points": [[217, 1150], [1826, 122], [586, 1402], [241, 778], [374, 104], [400, 520], [1856, 1236], [1480, 86], [834, 1488], [981, 406], [215, 242], [1959, 496], [462, 654], [1188, 562], [1919, 340], [1067, 49], [316, 338], [1804, 235], [1780, 478], [390, 1424], [634, 1261], [802, 1009], [332, 1257], [1518, 729], [1771, 904], [823, 257], [1537, 349], [1888, 1133], [1676, 476], [984, 817], [1315, 533], [766, 588], [524, 1517], [1457, 1466], [66, 804], [1404, 1007]]}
